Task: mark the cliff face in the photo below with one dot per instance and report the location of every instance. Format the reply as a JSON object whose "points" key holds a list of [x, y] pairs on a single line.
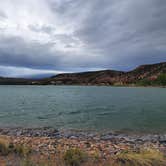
{"points": [[145, 74]]}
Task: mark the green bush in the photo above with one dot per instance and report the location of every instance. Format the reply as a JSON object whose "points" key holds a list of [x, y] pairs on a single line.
{"points": [[27, 162], [22, 150], [161, 80], [144, 82], [74, 157]]}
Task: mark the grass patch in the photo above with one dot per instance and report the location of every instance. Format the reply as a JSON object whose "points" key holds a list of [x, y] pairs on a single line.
{"points": [[148, 157], [4, 147], [22, 150], [74, 157], [27, 162]]}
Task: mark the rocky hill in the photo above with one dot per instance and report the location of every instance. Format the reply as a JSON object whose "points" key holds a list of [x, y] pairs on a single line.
{"points": [[145, 75]]}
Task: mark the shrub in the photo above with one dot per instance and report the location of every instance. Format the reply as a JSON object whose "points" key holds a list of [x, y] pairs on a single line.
{"points": [[4, 147], [144, 82], [161, 80], [149, 157], [27, 162], [22, 150], [74, 157]]}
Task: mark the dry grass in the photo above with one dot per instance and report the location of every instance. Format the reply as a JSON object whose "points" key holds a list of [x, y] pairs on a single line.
{"points": [[4, 147], [22, 150], [148, 157], [25, 156], [75, 157]]}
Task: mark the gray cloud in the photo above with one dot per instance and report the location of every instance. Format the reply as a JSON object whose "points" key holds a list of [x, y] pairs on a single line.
{"points": [[14, 51], [2, 15], [45, 28], [125, 30], [83, 34]]}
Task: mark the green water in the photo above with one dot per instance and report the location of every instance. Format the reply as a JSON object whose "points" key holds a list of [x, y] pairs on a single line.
{"points": [[84, 107]]}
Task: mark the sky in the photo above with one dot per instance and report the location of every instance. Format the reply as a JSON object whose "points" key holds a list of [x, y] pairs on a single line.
{"points": [[57, 36]]}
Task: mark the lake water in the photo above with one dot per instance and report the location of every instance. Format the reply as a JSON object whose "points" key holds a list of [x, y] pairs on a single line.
{"points": [[84, 107]]}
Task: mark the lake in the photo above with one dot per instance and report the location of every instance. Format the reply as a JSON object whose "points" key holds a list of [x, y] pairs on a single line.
{"points": [[84, 108]]}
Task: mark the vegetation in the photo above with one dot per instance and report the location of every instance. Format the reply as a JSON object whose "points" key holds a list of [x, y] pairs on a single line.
{"points": [[4, 147], [7, 147], [149, 157], [23, 156], [74, 157], [27, 162], [160, 81], [22, 150]]}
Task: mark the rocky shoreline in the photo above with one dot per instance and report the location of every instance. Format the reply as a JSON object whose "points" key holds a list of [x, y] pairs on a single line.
{"points": [[48, 141], [114, 137]]}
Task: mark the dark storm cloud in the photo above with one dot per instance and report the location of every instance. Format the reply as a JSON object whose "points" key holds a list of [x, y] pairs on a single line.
{"points": [[125, 30], [14, 51], [88, 34]]}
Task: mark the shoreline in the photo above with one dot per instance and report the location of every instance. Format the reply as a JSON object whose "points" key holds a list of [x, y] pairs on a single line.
{"points": [[53, 133], [85, 85], [49, 146]]}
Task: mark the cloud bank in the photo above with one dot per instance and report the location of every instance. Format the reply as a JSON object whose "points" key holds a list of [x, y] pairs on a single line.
{"points": [[70, 35]]}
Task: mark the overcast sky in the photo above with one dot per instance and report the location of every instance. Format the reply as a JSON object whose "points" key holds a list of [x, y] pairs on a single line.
{"points": [[54, 36]]}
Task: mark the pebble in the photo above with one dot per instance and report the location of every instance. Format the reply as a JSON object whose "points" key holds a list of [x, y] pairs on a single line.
{"points": [[49, 140]]}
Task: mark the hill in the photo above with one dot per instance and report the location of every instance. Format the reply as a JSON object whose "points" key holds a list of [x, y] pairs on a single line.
{"points": [[145, 75], [154, 74]]}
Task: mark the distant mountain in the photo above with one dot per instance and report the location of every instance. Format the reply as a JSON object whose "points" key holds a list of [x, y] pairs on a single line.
{"points": [[145, 75], [15, 81]]}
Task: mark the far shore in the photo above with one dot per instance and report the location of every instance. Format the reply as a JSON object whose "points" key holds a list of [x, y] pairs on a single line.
{"points": [[85, 85]]}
